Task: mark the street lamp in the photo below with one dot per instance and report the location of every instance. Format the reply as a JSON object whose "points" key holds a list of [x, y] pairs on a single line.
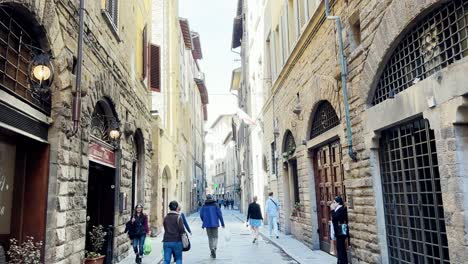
{"points": [[41, 73], [114, 132]]}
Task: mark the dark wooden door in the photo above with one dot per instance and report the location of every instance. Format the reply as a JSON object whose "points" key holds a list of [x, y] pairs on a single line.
{"points": [[329, 179]]}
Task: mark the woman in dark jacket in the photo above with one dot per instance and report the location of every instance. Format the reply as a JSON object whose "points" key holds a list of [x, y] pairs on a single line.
{"points": [[173, 230], [339, 217], [139, 226], [254, 218]]}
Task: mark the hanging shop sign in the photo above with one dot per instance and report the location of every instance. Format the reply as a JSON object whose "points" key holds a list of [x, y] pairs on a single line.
{"points": [[101, 154]]}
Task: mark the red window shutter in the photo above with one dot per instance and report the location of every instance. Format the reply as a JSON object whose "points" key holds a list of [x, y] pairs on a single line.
{"points": [[145, 52], [155, 68]]}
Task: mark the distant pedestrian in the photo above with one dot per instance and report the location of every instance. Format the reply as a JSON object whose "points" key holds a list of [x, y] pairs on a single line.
{"points": [[232, 204], [254, 218], [340, 218], [173, 230], [211, 215], [272, 209]]}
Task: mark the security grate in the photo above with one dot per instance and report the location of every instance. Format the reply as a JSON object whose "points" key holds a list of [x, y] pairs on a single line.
{"points": [[325, 118], [413, 206], [439, 39], [16, 52]]}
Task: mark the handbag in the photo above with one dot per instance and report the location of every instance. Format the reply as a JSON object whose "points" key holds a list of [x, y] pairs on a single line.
{"points": [[343, 230], [185, 240]]}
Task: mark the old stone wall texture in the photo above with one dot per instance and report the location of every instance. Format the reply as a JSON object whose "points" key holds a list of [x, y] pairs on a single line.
{"points": [[315, 75], [108, 71]]}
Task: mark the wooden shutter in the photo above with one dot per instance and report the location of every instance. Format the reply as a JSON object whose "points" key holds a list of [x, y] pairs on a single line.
{"points": [[145, 52], [155, 68]]}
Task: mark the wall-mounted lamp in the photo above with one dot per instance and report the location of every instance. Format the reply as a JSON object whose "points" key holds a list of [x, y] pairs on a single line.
{"points": [[298, 107], [41, 73]]}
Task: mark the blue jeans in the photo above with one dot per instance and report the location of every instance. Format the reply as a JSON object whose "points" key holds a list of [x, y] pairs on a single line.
{"points": [[138, 243], [172, 247]]}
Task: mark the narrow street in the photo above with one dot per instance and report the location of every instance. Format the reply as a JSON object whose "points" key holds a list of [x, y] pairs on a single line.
{"points": [[238, 250]]}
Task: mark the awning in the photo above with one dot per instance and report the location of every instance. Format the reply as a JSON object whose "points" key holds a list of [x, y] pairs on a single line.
{"points": [[202, 88], [196, 51]]}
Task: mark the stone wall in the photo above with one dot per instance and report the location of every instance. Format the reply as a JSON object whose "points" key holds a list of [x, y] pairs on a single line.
{"points": [[108, 71], [313, 72]]}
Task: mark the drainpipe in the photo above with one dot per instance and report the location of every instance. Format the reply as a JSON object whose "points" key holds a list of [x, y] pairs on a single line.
{"points": [[344, 74], [76, 106]]}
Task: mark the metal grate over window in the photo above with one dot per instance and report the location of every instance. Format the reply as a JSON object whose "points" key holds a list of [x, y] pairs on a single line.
{"points": [[414, 211], [16, 52], [439, 39], [325, 118]]}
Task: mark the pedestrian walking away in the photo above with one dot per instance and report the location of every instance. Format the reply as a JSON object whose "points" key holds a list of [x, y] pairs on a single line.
{"points": [[186, 225], [137, 229], [272, 209], [211, 216], [173, 231], [340, 224], [254, 218]]}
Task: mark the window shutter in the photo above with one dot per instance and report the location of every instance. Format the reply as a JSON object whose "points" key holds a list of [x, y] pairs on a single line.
{"points": [[273, 51], [145, 52], [155, 68]]}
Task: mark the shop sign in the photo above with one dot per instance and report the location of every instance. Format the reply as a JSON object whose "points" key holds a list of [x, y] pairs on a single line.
{"points": [[101, 154]]}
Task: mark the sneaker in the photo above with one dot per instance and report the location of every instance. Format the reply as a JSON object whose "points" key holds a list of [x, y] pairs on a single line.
{"points": [[213, 253], [254, 240]]}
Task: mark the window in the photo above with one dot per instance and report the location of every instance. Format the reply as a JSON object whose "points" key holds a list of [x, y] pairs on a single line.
{"points": [[277, 52], [292, 24], [354, 31], [273, 158], [312, 6], [155, 68], [112, 12], [145, 52], [436, 41], [303, 13]]}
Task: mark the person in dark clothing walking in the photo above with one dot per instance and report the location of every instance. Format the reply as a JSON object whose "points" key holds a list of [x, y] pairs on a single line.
{"points": [[254, 218], [139, 229], [173, 230], [339, 217], [211, 215]]}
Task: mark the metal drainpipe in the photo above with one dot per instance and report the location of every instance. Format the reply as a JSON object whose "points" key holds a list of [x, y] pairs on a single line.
{"points": [[344, 74], [76, 110]]}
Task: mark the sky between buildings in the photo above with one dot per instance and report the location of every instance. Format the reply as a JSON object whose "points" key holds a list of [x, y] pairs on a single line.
{"points": [[213, 20]]}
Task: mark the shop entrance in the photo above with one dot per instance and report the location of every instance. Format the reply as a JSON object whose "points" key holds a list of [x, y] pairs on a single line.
{"points": [[24, 169], [101, 204]]}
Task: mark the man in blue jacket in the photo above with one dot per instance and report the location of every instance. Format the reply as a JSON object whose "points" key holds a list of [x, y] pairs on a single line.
{"points": [[211, 215]]}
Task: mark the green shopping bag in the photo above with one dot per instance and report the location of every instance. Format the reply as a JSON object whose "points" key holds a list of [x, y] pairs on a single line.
{"points": [[147, 247]]}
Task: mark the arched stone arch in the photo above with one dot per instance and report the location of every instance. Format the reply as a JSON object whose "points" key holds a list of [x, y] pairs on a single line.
{"points": [[138, 168], [396, 22], [103, 118], [329, 91], [289, 143]]}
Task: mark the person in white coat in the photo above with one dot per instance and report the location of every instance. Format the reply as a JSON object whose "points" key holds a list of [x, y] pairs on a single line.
{"points": [[272, 210]]}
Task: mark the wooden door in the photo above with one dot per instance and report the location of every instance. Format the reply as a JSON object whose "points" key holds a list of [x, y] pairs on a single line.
{"points": [[329, 178]]}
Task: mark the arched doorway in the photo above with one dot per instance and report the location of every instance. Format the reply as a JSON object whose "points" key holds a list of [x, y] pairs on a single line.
{"points": [[138, 169], [327, 168], [102, 178], [290, 179]]}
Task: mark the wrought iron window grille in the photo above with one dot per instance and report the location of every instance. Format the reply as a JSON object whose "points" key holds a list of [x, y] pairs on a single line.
{"points": [[412, 196], [18, 47], [101, 127], [325, 118], [436, 41]]}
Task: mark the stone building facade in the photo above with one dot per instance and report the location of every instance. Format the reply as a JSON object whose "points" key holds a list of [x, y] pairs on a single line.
{"points": [[84, 166], [405, 180]]}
